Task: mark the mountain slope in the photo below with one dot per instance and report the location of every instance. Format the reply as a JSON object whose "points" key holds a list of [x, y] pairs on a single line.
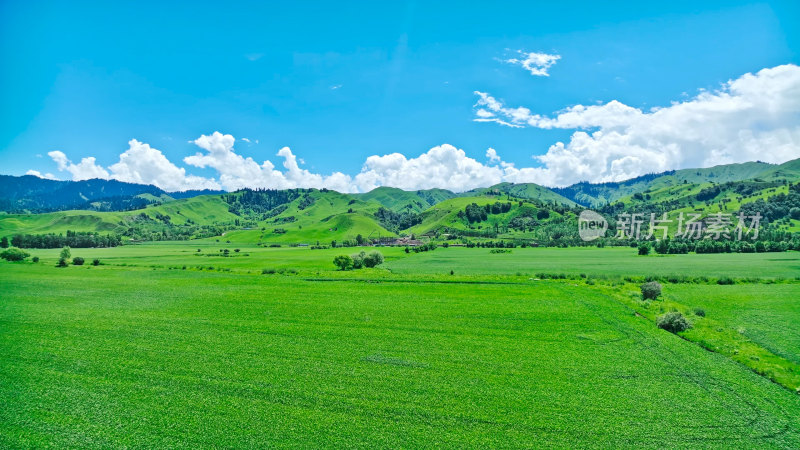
{"points": [[191, 213], [531, 191], [598, 194], [309, 216], [488, 216], [399, 200], [33, 194]]}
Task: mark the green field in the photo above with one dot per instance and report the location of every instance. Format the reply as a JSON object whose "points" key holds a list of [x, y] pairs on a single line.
{"points": [[608, 262], [138, 352]]}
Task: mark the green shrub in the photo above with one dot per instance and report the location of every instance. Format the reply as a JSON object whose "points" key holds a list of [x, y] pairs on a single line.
{"points": [[358, 259], [62, 262], [14, 254], [699, 312], [96, 262], [271, 271], [35, 259], [644, 249], [77, 261], [343, 262], [374, 258], [674, 322], [725, 281], [651, 290]]}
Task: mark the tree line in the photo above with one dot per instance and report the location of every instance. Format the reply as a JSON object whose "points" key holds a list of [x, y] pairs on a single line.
{"points": [[72, 239]]}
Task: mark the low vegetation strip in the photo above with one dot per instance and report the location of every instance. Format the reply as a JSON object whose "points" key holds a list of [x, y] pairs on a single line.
{"points": [[766, 341], [176, 361]]}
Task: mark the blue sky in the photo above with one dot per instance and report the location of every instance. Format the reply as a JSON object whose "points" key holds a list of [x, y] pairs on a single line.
{"points": [[338, 83]]}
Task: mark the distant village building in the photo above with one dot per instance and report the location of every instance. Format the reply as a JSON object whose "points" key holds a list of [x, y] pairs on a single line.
{"points": [[406, 241]]}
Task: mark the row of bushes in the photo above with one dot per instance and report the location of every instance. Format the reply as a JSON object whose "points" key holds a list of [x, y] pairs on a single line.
{"points": [[16, 254], [358, 260], [430, 246], [72, 239], [672, 321]]}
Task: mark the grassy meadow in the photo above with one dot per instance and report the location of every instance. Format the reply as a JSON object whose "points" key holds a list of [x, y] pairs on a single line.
{"points": [[140, 352]]}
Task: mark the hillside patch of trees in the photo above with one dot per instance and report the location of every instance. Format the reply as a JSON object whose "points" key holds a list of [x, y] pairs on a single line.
{"points": [[72, 239], [395, 221]]}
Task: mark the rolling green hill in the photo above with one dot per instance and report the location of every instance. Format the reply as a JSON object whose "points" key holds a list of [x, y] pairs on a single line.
{"points": [[311, 216], [399, 200], [531, 191], [598, 194], [207, 210], [315, 216], [518, 219]]}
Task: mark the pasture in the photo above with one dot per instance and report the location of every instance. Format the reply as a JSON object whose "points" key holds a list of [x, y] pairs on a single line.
{"points": [[135, 353]]}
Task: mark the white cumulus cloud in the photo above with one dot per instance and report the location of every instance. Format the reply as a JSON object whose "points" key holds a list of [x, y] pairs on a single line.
{"points": [[46, 176], [443, 166], [754, 117], [139, 164], [85, 170], [236, 171], [143, 164], [536, 63]]}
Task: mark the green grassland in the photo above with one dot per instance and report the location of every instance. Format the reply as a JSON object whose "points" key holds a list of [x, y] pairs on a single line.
{"points": [[605, 262], [400, 200], [530, 191], [321, 216], [444, 215], [328, 218], [596, 195], [757, 312], [245, 335], [203, 210], [114, 356]]}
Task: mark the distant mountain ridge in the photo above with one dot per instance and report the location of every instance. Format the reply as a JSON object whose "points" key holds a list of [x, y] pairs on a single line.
{"points": [[322, 217], [30, 194]]}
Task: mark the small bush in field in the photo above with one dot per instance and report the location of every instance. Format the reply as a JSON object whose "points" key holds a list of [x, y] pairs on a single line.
{"points": [[373, 259], [14, 254], [673, 322], [343, 262], [77, 261], [651, 290]]}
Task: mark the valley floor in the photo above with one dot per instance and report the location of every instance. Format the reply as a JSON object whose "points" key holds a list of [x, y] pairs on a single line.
{"points": [[165, 346]]}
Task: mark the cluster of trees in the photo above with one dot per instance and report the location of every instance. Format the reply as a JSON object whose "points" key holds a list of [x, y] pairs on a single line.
{"points": [[495, 244], [474, 213], [358, 260], [776, 207], [427, 247], [305, 202], [683, 246], [258, 203], [14, 254], [142, 227], [72, 239], [395, 221], [708, 193]]}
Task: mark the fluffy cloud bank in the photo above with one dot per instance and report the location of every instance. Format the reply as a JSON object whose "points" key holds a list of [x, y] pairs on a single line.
{"points": [[443, 166], [236, 171], [46, 176], [139, 164], [754, 117], [536, 63]]}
